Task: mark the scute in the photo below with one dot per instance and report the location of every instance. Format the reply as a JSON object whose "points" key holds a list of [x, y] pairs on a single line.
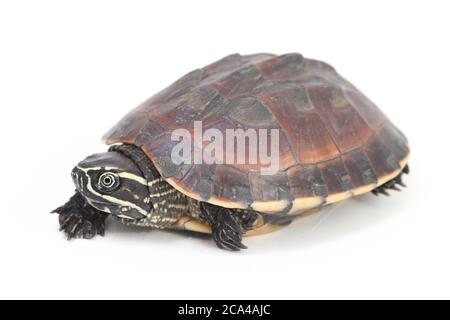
{"points": [[249, 111], [334, 142]]}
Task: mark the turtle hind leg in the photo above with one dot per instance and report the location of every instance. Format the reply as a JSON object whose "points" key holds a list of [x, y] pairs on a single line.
{"points": [[394, 184], [80, 220], [226, 226]]}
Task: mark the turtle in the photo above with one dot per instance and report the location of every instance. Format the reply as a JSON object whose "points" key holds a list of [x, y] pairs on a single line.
{"points": [[333, 144]]}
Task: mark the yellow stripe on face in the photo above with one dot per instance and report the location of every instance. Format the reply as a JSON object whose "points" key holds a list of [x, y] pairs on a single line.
{"points": [[133, 177], [124, 175], [124, 217], [108, 197], [157, 195], [153, 182]]}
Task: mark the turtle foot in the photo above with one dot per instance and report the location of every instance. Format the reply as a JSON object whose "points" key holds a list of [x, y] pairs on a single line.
{"points": [[394, 184], [226, 227], [79, 220]]}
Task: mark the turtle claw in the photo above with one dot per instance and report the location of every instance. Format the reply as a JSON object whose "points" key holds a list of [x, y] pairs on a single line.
{"points": [[406, 169], [400, 183], [228, 238], [79, 220], [226, 227], [78, 227], [392, 184]]}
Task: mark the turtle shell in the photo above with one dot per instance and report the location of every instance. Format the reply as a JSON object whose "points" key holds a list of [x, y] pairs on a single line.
{"points": [[334, 142]]}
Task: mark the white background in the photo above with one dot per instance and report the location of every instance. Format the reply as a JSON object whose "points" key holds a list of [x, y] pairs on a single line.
{"points": [[70, 69]]}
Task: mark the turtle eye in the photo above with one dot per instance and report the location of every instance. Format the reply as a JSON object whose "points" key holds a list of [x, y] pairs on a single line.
{"points": [[108, 182]]}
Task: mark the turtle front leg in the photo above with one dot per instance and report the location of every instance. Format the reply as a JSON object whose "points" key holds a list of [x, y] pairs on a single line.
{"points": [[80, 220], [227, 230]]}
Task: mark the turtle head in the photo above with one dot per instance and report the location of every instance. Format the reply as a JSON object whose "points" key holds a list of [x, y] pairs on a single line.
{"points": [[113, 183]]}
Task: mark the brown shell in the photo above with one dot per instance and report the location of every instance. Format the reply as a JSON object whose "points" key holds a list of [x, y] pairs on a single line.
{"points": [[334, 142]]}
